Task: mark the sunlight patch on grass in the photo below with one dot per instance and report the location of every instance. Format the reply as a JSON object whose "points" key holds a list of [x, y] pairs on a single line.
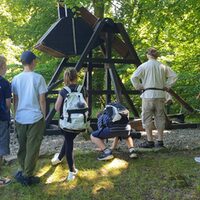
{"points": [[102, 186], [114, 168], [59, 175], [89, 174], [44, 170]]}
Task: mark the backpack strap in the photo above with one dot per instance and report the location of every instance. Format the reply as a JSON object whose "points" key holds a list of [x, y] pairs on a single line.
{"points": [[79, 88], [68, 89]]}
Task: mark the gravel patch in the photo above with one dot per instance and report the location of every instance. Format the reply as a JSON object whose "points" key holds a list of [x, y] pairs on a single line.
{"points": [[179, 139]]}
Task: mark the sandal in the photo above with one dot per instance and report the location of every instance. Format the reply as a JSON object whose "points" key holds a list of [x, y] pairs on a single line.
{"points": [[4, 181]]}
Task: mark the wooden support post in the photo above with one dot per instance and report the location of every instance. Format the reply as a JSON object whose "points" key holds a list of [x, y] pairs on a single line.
{"points": [[108, 55], [50, 88], [91, 42], [89, 84], [129, 44], [117, 87], [128, 99], [58, 71], [50, 116]]}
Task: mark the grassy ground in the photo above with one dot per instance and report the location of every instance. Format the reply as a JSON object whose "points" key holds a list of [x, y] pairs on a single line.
{"points": [[160, 175]]}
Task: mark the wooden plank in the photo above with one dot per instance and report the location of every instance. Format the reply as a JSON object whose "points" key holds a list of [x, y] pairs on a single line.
{"points": [[102, 92], [127, 98], [89, 45], [181, 101], [85, 64], [108, 55], [57, 72], [111, 61], [108, 85], [54, 85], [89, 83], [119, 46], [129, 44], [117, 86], [50, 116], [184, 125]]}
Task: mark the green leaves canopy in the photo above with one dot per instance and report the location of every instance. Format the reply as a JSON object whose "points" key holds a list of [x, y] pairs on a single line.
{"points": [[172, 26]]}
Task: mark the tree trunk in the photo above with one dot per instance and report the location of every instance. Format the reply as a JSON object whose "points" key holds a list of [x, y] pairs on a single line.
{"points": [[98, 8]]}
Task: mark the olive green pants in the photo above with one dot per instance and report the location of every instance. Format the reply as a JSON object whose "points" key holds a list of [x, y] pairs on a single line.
{"points": [[30, 138]]}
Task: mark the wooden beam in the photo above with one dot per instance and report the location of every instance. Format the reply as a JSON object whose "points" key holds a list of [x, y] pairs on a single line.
{"points": [[181, 101], [52, 86], [50, 116], [102, 92], [89, 83], [108, 55], [129, 44], [127, 98], [90, 44], [111, 61], [57, 72]]}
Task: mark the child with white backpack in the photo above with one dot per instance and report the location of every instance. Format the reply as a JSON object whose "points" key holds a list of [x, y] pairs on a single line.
{"points": [[74, 113]]}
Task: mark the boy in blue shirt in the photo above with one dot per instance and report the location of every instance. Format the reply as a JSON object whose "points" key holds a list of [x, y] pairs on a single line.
{"points": [[5, 102]]}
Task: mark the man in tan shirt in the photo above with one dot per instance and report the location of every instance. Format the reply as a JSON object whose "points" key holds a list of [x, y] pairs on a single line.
{"points": [[154, 79]]}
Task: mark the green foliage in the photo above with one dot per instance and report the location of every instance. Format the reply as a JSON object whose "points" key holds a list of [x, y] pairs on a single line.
{"points": [[172, 26]]}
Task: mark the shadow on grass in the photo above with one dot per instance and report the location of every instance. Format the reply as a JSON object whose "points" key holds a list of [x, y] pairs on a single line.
{"points": [[169, 175]]}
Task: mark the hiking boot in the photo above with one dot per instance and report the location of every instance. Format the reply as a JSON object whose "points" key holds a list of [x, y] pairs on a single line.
{"points": [[147, 144], [55, 160], [106, 155], [132, 153], [160, 144], [26, 181], [18, 175], [31, 180], [20, 178]]}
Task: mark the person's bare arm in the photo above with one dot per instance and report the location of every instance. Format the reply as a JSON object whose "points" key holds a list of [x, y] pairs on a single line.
{"points": [[58, 103], [42, 100], [15, 102], [8, 104]]}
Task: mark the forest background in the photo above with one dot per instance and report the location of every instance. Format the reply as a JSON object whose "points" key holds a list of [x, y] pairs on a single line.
{"points": [[172, 26]]}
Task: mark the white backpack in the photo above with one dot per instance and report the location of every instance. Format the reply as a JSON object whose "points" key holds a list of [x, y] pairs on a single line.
{"points": [[75, 111]]}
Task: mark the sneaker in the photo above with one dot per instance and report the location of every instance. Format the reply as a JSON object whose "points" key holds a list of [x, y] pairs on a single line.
{"points": [[160, 144], [71, 176], [132, 153], [147, 144], [197, 159], [55, 160], [76, 172], [106, 155]]}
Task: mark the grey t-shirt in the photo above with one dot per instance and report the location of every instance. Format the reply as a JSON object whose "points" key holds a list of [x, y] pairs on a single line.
{"points": [[28, 86]]}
